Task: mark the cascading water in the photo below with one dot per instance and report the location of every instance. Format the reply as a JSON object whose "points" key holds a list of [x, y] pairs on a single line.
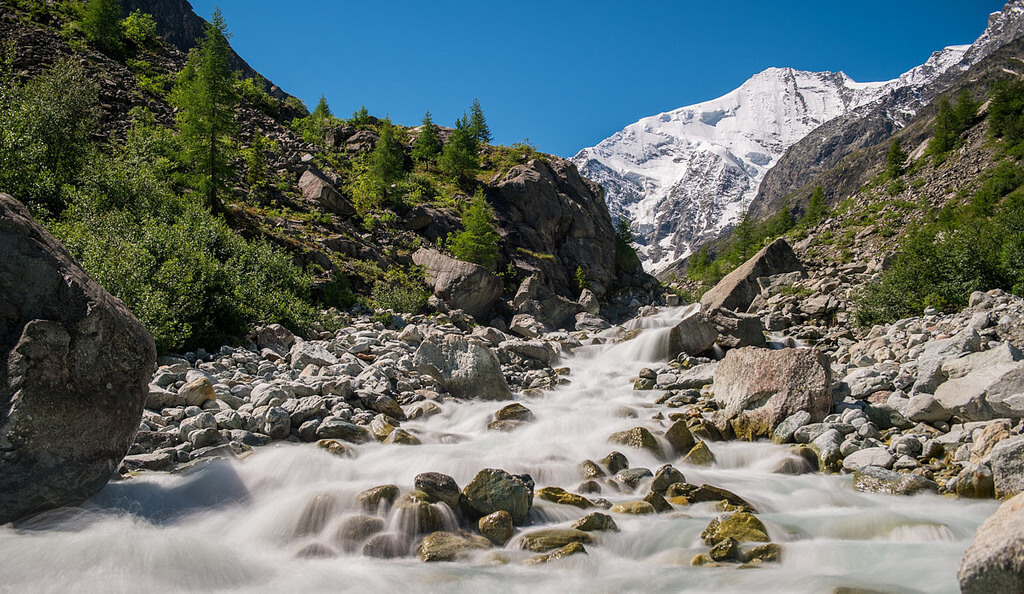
{"points": [[287, 519]]}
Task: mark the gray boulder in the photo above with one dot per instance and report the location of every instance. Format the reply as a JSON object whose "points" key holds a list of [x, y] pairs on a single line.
{"points": [[985, 393], [1007, 464], [75, 373], [463, 368], [692, 335], [939, 352], [460, 285], [739, 288], [758, 388], [995, 560], [316, 187], [736, 330], [866, 381], [868, 457]]}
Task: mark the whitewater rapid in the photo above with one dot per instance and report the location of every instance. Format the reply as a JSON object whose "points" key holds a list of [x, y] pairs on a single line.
{"points": [[234, 525]]}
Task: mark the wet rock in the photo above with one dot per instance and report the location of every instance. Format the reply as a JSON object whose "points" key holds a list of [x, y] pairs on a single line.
{"points": [[596, 522], [591, 470], [497, 527], [742, 526], [316, 513], [402, 437], [463, 368], [573, 548], [725, 550], [354, 530], [385, 546], [699, 455], [634, 508], [378, 498], [315, 550], [639, 438], [563, 497], [438, 487], [415, 515], [631, 477], [995, 560], [711, 493], [680, 438], [449, 546], [552, 538], [665, 477], [658, 502], [335, 428], [766, 553], [493, 490], [514, 412], [336, 448], [757, 388], [75, 373], [614, 462], [873, 479]]}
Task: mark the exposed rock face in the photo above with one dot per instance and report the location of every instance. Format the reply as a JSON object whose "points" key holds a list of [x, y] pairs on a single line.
{"points": [[75, 373], [549, 210], [995, 560], [463, 368], [758, 388], [739, 288], [461, 285]]}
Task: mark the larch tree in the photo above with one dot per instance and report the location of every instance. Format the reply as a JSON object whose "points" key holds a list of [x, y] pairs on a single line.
{"points": [[204, 93], [478, 124], [428, 145]]}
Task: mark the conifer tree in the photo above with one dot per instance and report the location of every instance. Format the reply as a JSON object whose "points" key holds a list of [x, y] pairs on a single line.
{"points": [[478, 124], [322, 110], [428, 145], [965, 111], [459, 155], [895, 160], [205, 96], [816, 208], [387, 161], [478, 243], [102, 24]]}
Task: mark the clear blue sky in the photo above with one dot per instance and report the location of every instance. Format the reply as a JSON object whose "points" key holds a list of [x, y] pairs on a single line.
{"points": [[567, 74]]}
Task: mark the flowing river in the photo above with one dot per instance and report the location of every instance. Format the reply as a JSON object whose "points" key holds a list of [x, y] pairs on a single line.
{"points": [[231, 526]]}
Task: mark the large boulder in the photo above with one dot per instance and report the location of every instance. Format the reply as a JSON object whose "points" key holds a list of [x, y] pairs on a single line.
{"points": [[985, 393], [995, 560], [693, 335], [316, 187], [464, 369], [493, 490], [75, 372], [735, 329], [739, 288], [535, 299], [1007, 463], [461, 285], [758, 388], [941, 352], [556, 221]]}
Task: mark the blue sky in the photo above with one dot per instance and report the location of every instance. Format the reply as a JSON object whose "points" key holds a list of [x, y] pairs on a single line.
{"points": [[567, 74]]}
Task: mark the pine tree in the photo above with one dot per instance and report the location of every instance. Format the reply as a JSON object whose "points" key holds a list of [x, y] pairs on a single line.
{"points": [[965, 111], [945, 135], [895, 160], [428, 145], [387, 161], [478, 124], [816, 208], [360, 117], [204, 94], [322, 110], [459, 155], [478, 243], [102, 24]]}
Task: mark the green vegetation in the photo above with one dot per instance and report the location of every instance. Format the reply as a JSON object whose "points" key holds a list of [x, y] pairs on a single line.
{"points": [[478, 243], [102, 24], [459, 156], [950, 124], [1006, 114], [400, 292], [895, 160], [139, 28], [625, 255], [313, 128], [478, 124], [205, 96], [428, 145]]}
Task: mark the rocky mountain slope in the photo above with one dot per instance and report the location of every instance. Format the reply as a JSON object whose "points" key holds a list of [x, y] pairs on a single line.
{"points": [[684, 176]]}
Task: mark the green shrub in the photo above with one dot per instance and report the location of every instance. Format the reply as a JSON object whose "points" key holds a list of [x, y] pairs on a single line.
{"points": [[139, 28], [102, 24], [400, 292], [478, 242]]}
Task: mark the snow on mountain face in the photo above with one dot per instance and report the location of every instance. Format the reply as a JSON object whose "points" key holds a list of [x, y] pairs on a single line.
{"points": [[685, 175]]}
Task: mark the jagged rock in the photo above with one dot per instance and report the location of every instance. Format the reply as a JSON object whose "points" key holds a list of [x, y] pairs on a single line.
{"points": [[739, 288], [680, 438], [316, 187], [938, 352], [535, 299], [563, 497], [463, 368], [527, 326], [639, 438], [758, 388], [461, 285], [736, 330], [995, 560], [699, 455], [75, 373]]}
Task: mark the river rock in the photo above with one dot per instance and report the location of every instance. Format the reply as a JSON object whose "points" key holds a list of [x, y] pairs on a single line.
{"points": [[460, 285], [758, 388], [975, 481], [74, 376], [680, 438], [573, 548], [552, 538], [784, 431], [874, 479], [666, 476], [378, 498], [497, 527], [739, 288], [353, 530], [563, 497], [639, 438], [463, 368], [868, 457], [995, 560], [494, 489], [438, 488], [634, 508], [449, 546], [1007, 464], [596, 522], [938, 352], [742, 526], [693, 335]]}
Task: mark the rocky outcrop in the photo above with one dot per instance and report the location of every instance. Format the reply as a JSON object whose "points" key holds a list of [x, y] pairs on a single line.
{"points": [[995, 560], [75, 373], [739, 288], [556, 221], [461, 285], [758, 388]]}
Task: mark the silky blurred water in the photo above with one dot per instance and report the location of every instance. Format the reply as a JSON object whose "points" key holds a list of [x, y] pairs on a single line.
{"points": [[232, 526]]}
